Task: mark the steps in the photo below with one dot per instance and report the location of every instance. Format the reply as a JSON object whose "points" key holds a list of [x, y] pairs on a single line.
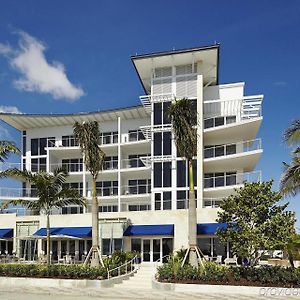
{"points": [[142, 279]]}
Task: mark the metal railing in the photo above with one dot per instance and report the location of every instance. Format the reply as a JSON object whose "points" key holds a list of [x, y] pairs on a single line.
{"points": [[231, 179], [233, 148], [212, 202], [129, 163], [20, 211], [125, 269], [110, 165], [18, 192], [136, 189]]}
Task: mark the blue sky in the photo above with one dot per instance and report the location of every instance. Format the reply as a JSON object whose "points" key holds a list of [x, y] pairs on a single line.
{"points": [[87, 45]]}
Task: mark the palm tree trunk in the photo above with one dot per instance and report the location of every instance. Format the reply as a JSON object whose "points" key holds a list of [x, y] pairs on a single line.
{"points": [[48, 239], [192, 218], [95, 227]]}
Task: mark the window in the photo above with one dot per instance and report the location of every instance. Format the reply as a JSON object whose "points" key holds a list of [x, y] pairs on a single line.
{"points": [[69, 141], [167, 143], [73, 164], [139, 186], [42, 146], [167, 174], [108, 208], [157, 113], [111, 163], [157, 174], [136, 245], [163, 200], [157, 143], [167, 200], [157, 201], [24, 143], [107, 188], [219, 179], [219, 121], [135, 135], [181, 173], [182, 200], [74, 185], [135, 161], [34, 146]]}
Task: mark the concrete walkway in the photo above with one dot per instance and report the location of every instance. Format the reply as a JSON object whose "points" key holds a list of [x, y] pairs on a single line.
{"points": [[118, 293]]}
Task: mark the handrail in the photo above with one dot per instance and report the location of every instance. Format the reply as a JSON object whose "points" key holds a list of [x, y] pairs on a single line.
{"points": [[133, 267], [156, 265]]}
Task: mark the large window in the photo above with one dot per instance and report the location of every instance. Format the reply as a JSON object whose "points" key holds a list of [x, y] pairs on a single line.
{"points": [[138, 186], [162, 174], [73, 164], [69, 141], [38, 164], [163, 200], [109, 137], [107, 188], [219, 179], [219, 121]]}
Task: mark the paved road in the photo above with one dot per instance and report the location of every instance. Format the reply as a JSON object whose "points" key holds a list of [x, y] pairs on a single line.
{"points": [[115, 293]]}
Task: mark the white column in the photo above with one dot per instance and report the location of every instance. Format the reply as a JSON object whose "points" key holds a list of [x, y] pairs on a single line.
{"points": [[200, 146], [119, 164]]}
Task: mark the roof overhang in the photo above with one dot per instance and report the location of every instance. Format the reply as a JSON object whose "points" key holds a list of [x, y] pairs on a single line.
{"points": [[207, 55], [27, 121]]}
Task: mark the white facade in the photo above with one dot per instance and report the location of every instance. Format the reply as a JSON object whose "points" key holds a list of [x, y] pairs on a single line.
{"points": [[145, 182]]}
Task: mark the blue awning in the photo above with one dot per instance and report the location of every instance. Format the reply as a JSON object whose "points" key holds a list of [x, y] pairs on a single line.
{"points": [[79, 232], [6, 233], [147, 230], [43, 231], [210, 228]]}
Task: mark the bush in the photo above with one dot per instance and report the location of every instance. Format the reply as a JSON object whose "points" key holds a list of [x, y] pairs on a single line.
{"points": [[172, 271], [53, 271]]}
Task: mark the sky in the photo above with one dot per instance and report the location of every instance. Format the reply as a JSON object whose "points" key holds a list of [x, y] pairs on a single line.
{"points": [[74, 56]]}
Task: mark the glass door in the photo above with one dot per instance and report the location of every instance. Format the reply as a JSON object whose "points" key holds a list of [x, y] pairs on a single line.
{"points": [[146, 250], [156, 250]]}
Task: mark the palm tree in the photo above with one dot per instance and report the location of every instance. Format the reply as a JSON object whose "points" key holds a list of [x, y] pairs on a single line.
{"points": [[290, 180], [7, 148], [184, 119], [51, 193], [88, 136], [292, 134]]}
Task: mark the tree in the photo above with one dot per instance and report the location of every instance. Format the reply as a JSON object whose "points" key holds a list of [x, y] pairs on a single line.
{"points": [[290, 179], [256, 222], [88, 136], [7, 148], [51, 193], [184, 119]]}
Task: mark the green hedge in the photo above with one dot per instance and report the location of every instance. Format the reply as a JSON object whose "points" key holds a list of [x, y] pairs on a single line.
{"points": [[214, 273], [69, 271], [53, 271]]}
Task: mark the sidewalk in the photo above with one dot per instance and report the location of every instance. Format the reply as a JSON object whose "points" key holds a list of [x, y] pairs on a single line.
{"points": [[117, 293]]}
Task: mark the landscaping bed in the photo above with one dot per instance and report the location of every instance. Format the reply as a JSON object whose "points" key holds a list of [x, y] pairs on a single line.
{"points": [[214, 274]]}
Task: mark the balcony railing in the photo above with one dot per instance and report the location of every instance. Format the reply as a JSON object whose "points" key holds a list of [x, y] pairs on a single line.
{"points": [[230, 149], [104, 192], [211, 202], [18, 192], [231, 179], [136, 189], [20, 211], [132, 163]]}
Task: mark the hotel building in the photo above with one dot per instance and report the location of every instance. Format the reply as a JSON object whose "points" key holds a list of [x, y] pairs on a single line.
{"points": [[143, 188]]}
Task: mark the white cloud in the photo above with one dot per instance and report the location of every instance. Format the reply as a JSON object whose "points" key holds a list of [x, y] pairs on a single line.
{"points": [[37, 74], [9, 109], [5, 49]]}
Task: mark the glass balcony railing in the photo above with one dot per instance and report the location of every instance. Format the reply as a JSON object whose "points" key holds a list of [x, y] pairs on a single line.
{"points": [[230, 149], [230, 179], [136, 189], [132, 163]]}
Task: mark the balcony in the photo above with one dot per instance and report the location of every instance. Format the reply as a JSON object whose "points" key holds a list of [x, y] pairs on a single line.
{"points": [[133, 163], [140, 189], [222, 184], [212, 202], [17, 193], [243, 155]]}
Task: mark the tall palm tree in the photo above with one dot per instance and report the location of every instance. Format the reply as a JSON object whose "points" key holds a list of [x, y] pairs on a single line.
{"points": [[51, 193], [184, 119], [7, 148], [290, 179], [88, 136]]}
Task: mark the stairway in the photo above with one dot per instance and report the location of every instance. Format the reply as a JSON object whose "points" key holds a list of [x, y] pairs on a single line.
{"points": [[142, 279]]}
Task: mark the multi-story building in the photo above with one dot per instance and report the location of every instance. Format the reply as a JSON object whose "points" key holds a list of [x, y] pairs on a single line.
{"points": [[143, 188]]}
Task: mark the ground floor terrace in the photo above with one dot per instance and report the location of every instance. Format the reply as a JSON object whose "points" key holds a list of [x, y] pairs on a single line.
{"points": [[71, 244]]}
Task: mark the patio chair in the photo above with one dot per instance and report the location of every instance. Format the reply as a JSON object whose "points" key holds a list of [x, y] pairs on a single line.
{"points": [[68, 259], [231, 261], [219, 259]]}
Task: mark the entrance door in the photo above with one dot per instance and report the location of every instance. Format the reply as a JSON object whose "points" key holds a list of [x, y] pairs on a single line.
{"points": [[146, 250], [156, 249]]}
